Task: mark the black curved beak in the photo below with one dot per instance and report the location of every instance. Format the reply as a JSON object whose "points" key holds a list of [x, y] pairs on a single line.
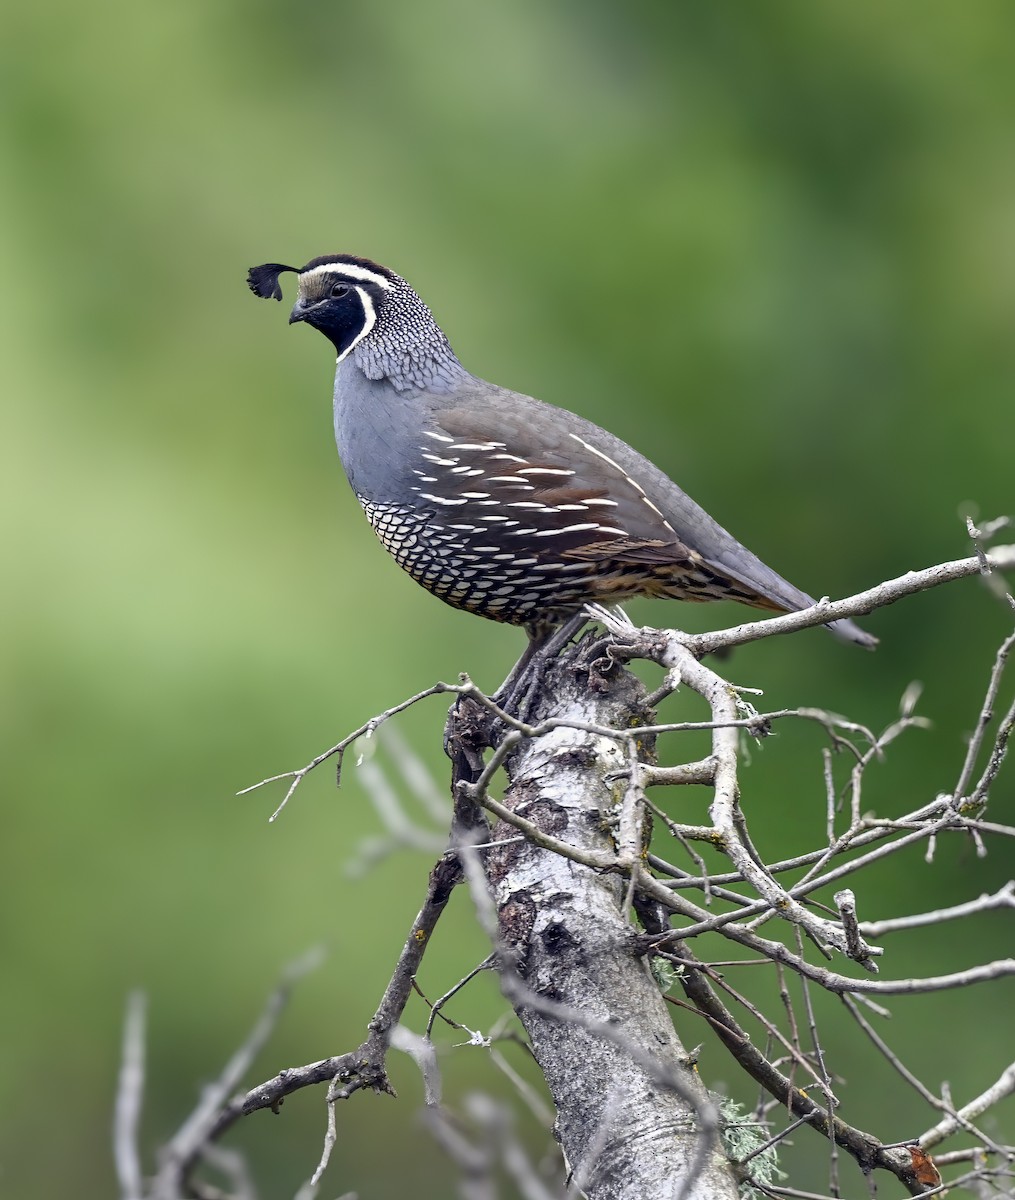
{"points": [[299, 312]]}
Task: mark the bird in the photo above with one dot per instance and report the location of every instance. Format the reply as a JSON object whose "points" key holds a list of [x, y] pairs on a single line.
{"points": [[498, 503]]}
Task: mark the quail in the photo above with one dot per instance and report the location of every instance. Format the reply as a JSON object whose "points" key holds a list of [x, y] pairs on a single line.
{"points": [[495, 502]]}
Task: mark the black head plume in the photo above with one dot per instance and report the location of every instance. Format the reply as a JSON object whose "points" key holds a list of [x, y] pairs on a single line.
{"points": [[263, 280]]}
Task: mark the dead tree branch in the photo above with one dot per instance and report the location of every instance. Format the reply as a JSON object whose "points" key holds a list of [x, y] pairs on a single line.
{"points": [[556, 881]]}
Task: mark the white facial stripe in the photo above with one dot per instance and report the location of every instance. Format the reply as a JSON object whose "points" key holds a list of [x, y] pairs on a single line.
{"points": [[350, 271], [369, 321]]}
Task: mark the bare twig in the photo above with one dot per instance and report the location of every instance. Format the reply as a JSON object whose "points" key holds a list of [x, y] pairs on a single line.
{"points": [[422, 1053], [845, 901], [337, 751], [724, 811], [774, 1140], [309, 1190], [892, 590], [1000, 557], [983, 720], [233, 1164], [1003, 898], [129, 1096], [204, 1124], [438, 1005], [756, 896], [865, 1149], [1003, 1086], [910, 1077], [995, 759]]}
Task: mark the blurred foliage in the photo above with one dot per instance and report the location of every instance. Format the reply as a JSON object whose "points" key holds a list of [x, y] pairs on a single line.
{"points": [[771, 244]]}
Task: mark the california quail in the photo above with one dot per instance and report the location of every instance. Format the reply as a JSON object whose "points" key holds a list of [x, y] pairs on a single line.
{"points": [[498, 503]]}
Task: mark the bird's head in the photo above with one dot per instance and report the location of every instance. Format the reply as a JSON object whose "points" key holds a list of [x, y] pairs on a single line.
{"points": [[366, 310], [340, 294]]}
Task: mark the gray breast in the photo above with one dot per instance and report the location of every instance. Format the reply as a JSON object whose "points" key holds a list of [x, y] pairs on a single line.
{"points": [[377, 431]]}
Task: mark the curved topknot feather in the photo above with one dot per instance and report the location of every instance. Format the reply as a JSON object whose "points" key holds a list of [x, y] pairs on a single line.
{"points": [[263, 280]]}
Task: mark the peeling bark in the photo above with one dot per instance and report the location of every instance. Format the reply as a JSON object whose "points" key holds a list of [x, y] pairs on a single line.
{"points": [[633, 1118]]}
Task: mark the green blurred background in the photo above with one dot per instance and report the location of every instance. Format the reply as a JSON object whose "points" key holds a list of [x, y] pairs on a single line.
{"points": [[773, 245]]}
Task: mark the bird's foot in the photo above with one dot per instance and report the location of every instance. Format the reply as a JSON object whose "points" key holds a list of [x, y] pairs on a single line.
{"points": [[518, 693]]}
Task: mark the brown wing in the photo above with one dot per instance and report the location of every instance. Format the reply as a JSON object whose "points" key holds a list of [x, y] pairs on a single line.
{"points": [[550, 492], [571, 499]]}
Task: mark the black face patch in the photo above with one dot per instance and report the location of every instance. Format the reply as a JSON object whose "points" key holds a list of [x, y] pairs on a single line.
{"points": [[343, 317]]}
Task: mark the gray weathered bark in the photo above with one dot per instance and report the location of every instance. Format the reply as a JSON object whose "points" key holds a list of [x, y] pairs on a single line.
{"points": [[633, 1118]]}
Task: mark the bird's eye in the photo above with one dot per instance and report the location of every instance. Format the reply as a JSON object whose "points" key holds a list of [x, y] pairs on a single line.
{"points": [[338, 290]]}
